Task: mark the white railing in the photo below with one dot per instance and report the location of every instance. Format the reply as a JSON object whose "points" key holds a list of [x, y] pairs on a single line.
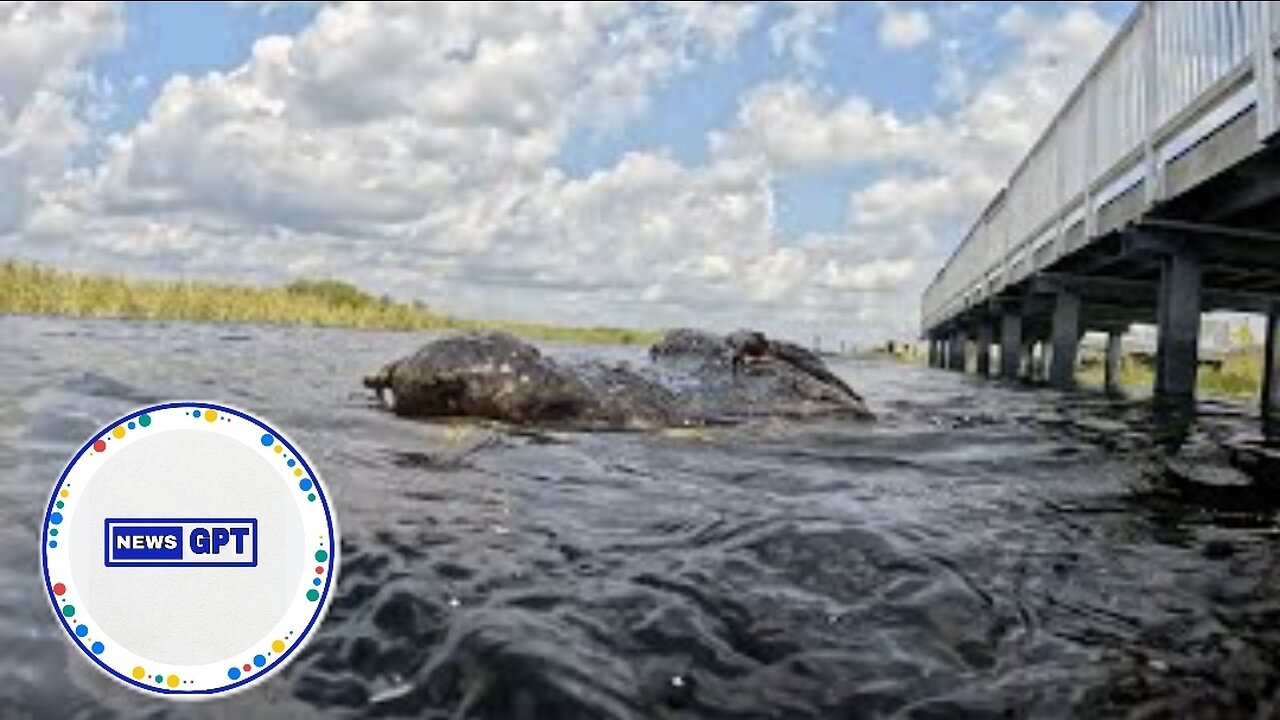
{"points": [[1197, 43], [1168, 68]]}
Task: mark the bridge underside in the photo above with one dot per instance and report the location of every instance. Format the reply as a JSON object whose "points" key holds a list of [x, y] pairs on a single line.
{"points": [[1153, 196], [1214, 245]]}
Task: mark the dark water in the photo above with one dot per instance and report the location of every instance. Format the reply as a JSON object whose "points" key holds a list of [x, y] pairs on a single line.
{"points": [[978, 552]]}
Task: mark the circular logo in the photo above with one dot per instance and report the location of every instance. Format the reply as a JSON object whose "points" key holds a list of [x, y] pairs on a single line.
{"points": [[189, 549]]}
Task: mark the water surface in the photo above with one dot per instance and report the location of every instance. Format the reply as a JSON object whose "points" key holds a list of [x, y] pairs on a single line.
{"points": [[980, 551]]}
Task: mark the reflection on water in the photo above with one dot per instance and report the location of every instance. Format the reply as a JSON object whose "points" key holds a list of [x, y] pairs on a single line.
{"points": [[979, 551]]}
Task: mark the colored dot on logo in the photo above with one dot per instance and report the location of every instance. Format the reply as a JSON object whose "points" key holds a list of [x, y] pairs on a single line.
{"points": [[172, 681], [53, 532], [313, 595], [144, 421], [97, 648], [100, 445], [82, 631], [279, 448], [311, 497], [321, 556], [53, 544], [233, 673], [259, 660], [304, 484], [59, 588], [291, 462], [316, 582], [117, 432], [132, 425], [139, 672], [247, 667], [277, 646], [59, 504], [194, 413], [56, 518], [68, 610], [159, 678], [267, 440]]}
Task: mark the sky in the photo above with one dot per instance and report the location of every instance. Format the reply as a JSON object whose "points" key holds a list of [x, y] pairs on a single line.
{"points": [[800, 167]]}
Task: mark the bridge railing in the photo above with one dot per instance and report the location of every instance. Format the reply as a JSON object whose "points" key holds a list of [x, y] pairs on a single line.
{"points": [[1173, 73]]}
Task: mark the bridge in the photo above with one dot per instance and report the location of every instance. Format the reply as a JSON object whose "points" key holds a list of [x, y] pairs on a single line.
{"points": [[1152, 196]]}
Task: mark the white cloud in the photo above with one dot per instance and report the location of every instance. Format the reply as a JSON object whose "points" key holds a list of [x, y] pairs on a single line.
{"points": [[933, 174], [43, 50], [795, 127], [267, 7], [382, 119], [413, 148], [901, 29], [798, 33]]}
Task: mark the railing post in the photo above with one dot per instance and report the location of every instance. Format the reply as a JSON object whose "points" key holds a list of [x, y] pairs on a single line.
{"points": [[1090, 155], [1264, 71], [1151, 95]]}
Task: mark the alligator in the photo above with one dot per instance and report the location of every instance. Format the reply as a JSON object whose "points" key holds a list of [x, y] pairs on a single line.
{"points": [[694, 378]]}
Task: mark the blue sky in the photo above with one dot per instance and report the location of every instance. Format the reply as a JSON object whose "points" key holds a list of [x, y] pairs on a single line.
{"points": [[163, 39], [788, 165]]}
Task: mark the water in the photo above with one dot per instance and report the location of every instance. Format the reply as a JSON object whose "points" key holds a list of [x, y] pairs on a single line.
{"points": [[978, 551]]}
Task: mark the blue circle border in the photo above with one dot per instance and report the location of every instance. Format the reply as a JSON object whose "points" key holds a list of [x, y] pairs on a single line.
{"points": [[321, 605]]}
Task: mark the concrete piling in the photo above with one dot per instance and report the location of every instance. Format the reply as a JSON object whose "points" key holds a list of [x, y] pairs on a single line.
{"points": [[1010, 345], [984, 349], [1066, 339], [959, 340], [1178, 314], [1271, 374], [1114, 355]]}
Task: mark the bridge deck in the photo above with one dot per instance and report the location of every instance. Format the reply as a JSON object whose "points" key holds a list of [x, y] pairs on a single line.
{"points": [[1153, 195]]}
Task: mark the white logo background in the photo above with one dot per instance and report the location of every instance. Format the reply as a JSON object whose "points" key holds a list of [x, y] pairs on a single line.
{"points": [[190, 631]]}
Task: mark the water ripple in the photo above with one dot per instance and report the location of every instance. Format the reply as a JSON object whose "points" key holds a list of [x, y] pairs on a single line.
{"points": [[979, 551]]}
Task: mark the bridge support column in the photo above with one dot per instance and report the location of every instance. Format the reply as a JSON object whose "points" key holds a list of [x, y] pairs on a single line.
{"points": [[984, 348], [957, 350], [1114, 355], [1040, 369], [1177, 345], [1271, 375], [931, 350], [1066, 340], [1010, 345]]}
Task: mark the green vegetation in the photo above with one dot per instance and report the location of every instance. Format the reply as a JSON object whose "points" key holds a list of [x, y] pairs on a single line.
{"points": [[34, 289], [900, 351], [1239, 374]]}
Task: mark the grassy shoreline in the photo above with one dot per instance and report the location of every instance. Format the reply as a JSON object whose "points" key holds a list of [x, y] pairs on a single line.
{"points": [[1237, 375], [27, 288]]}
